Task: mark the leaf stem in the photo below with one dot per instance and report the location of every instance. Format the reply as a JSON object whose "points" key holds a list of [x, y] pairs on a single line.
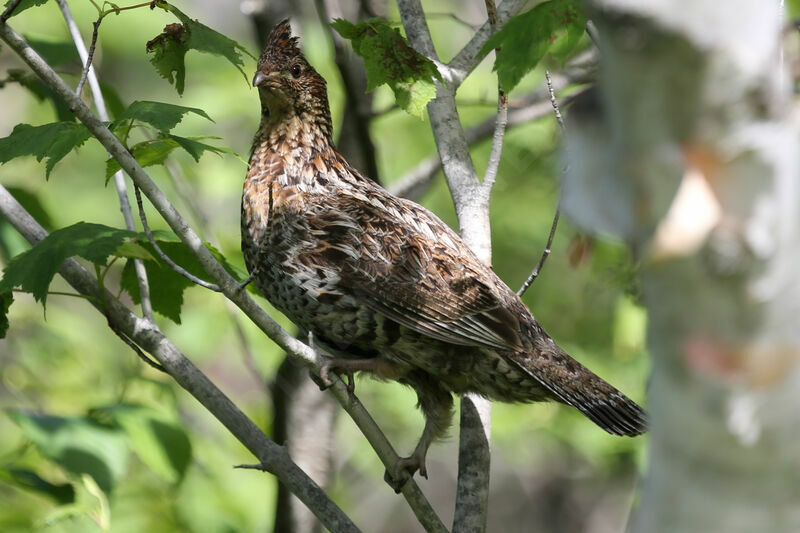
{"points": [[116, 10], [61, 293], [9, 11]]}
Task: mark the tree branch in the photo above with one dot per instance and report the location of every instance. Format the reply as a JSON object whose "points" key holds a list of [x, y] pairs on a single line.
{"points": [[467, 59], [472, 210], [147, 335], [217, 272], [450, 140]]}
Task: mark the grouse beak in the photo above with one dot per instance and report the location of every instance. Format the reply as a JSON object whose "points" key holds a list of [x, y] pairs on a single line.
{"points": [[261, 78]]}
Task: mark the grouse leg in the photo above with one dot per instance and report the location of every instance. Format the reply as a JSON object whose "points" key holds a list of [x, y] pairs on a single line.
{"points": [[342, 365], [437, 406]]}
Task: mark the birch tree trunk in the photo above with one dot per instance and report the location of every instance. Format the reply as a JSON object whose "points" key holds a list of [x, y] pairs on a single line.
{"points": [[691, 156]]}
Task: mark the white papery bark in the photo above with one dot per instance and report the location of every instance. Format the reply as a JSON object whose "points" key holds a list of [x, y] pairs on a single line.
{"points": [[691, 156]]}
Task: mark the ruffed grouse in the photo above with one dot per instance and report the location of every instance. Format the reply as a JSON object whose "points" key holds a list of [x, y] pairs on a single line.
{"points": [[381, 282]]}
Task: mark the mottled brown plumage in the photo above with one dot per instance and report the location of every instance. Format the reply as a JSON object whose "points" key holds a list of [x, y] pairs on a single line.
{"points": [[384, 284]]}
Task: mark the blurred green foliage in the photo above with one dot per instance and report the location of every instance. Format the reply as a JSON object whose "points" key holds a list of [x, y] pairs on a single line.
{"points": [[553, 27], [94, 439], [389, 59]]}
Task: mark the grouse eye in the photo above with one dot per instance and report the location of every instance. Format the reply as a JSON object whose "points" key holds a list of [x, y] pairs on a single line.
{"points": [[295, 70]]}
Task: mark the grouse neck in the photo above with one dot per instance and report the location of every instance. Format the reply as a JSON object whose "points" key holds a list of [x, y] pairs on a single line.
{"points": [[290, 132], [292, 152]]}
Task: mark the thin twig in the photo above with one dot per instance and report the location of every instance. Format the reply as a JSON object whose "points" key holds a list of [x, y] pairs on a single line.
{"points": [[553, 100], [497, 142], [473, 217], [116, 10], [496, 152], [546, 253], [172, 264], [543, 258], [248, 358], [96, 24], [591, 31], [92, 46], [491, 14], [9, 11], [456, 18], [258, 466], [119, 178], [781, 62]]}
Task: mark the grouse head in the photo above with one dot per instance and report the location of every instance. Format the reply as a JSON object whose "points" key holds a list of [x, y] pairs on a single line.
{"points": [[287, 84]]}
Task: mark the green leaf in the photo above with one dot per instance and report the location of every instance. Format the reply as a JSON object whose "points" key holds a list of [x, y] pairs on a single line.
{"points": [[389, 59], [133, 250], [204, 39], [41, 92], [793, 7], [25, 4], [56, 53], [6, 298], [156, 151], [32, 204], [34, 269], [53, 141], [169, 48], [159, 441], [113, 101], [101, 511], [78, 444], [29, 480], [168, 51], [166, 285], [554, 26], [196, 148], [147, 153], [161, 116]]}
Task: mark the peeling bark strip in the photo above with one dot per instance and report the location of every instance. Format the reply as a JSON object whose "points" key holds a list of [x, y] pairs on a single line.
{"points": [[693, 161]]}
